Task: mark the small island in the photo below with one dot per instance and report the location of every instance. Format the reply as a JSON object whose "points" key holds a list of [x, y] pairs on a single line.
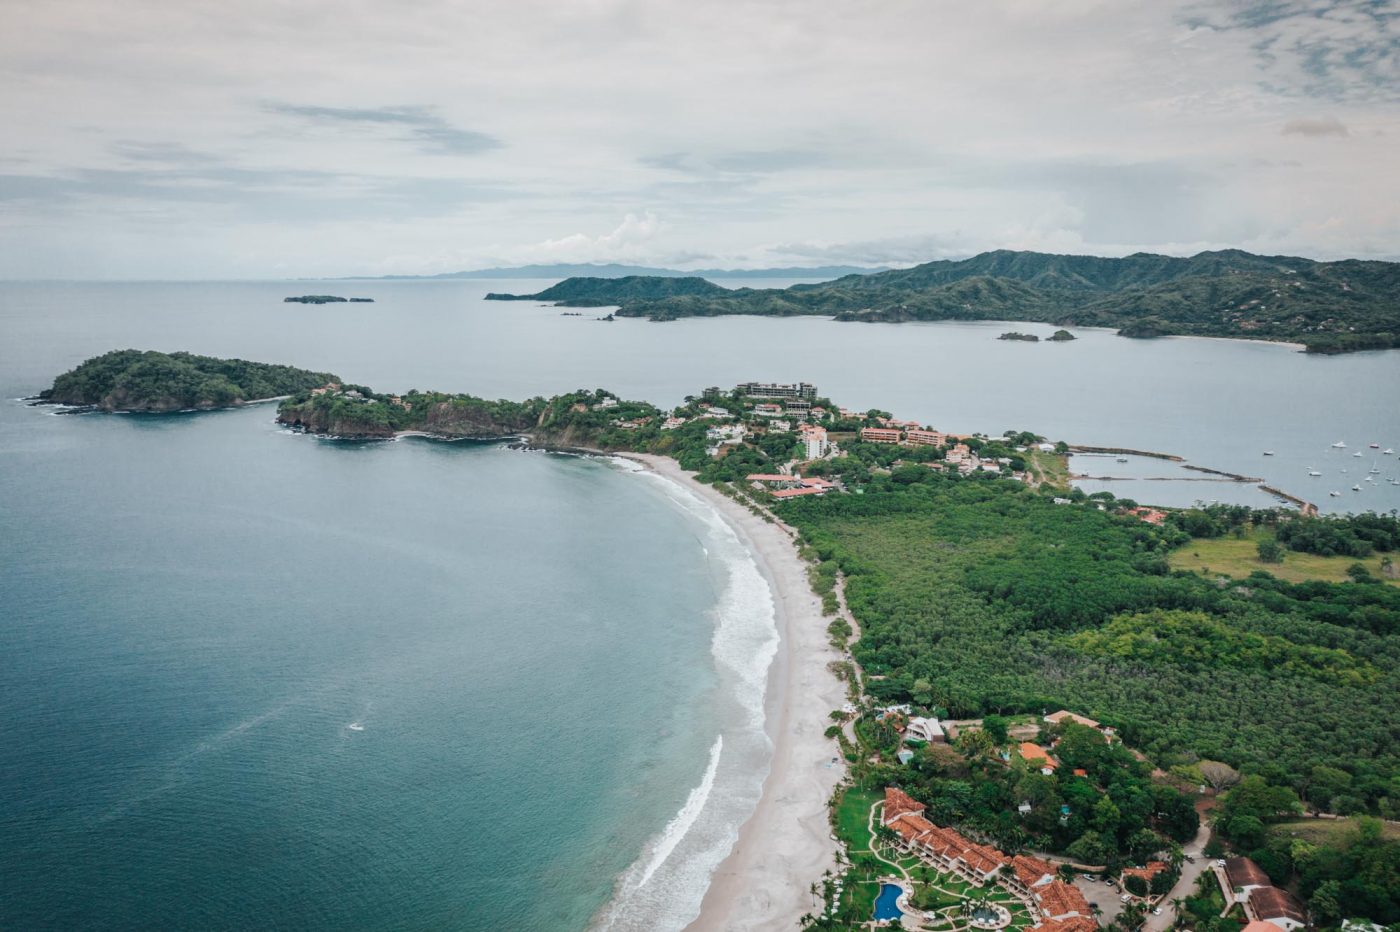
{"points": [[1017, 335], [152, 382], [1060, 336], [325, 299]]}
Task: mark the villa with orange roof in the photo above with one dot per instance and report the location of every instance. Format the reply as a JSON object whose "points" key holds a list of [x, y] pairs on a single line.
{"points": [[1038, 757]]}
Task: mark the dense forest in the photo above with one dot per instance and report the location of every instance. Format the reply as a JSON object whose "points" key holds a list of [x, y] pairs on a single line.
{"points": [[356, 412], [1001, 601], [1331, 307], [136, 380]]}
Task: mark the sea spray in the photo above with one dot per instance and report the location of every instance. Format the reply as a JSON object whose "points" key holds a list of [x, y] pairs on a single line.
{"points": [[664, 887]]}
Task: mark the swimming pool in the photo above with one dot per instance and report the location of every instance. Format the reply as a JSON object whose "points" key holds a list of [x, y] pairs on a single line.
{"points": [[885, 907]]}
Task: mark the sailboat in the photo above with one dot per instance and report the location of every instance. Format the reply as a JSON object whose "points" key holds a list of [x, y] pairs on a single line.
{"points": [[1339, 445], [1357, 453]]}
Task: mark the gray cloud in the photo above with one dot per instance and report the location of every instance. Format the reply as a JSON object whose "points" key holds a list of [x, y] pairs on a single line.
{"points": [[422, 124], [753, 162], [1322, 126]]}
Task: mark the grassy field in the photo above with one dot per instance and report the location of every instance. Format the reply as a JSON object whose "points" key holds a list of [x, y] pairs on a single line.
{"points": [[1050, 469], [1334, 832], [1230, 556]]}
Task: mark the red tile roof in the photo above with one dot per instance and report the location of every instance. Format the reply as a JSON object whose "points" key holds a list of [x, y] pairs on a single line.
{"points": [[793, 493], [1058, 899], [1242, 872], [982, 859], [898, 802], [1152, 869], [1072, 924], [1037, 754], [1055, 718], [1273, 903], [1031, 871]]}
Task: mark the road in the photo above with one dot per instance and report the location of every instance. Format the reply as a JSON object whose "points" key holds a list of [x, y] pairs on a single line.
{"points": [[1186, 884]]}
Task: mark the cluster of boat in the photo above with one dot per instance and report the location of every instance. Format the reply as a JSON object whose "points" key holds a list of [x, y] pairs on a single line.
{"points": [[1372, 472]]}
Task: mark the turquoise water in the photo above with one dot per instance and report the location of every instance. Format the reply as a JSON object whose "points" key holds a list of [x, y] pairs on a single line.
{"points": [[885, 905], [253, 678]]}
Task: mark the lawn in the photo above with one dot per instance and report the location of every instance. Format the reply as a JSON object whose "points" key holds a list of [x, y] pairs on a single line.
{"points": [[1332, 832], [1238, 557]]}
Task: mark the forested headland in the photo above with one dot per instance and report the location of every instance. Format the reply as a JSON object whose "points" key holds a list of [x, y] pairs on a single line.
{"points": [[1330, 307], [137, 380]]}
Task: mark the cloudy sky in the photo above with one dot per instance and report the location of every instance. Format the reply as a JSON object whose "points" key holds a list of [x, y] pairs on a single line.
{"points": [[193, 138]]}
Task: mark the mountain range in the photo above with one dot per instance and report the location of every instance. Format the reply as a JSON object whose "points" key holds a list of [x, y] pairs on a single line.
{"points": [[1330, 307], [613, 270]]}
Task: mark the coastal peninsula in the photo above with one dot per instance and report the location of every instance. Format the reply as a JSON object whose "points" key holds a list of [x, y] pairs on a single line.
{"points": [[1329, 307], [938, 594]]}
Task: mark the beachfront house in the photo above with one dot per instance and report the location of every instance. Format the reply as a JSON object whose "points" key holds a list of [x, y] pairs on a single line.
{"points": [[925, 729]]}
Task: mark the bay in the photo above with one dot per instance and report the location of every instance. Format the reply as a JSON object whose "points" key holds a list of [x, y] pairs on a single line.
{"points": [[256, 678]]}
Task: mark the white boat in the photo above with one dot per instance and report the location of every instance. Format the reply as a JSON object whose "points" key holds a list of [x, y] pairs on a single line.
{"points": [[1357, 453], [1375, 469], [1314, 472], [1388, 451], [1339, 445], [1370, 478], [1335, 494], [1356, 488], [1375, 446], [1268, 452]]}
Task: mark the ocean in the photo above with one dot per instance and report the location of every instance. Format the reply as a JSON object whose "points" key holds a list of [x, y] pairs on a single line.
{"points": [[257, 678]]}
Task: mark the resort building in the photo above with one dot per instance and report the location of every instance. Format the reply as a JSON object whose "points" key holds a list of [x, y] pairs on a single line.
{"points": [[879, 435], [944, 848], [768, 410], [1240, 877], [776, 390], [799, 408], [728, 435], [814, 442], [1072, 924], [1059, 900], [927, 438], [783, 486], [1243, 881], [1028, 873]]}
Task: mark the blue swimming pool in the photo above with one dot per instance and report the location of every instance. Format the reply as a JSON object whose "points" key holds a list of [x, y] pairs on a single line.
{"points": [[885, 907]]}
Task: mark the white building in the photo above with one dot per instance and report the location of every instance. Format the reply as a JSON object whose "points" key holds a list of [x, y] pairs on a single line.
{"points": [[814, 442], [924, 729]]}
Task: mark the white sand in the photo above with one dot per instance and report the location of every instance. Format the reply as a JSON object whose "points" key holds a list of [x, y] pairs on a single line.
{"points": [[786, 843]]}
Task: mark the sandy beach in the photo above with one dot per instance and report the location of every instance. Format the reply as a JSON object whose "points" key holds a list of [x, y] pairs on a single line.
{"points": [[786, 843]]}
